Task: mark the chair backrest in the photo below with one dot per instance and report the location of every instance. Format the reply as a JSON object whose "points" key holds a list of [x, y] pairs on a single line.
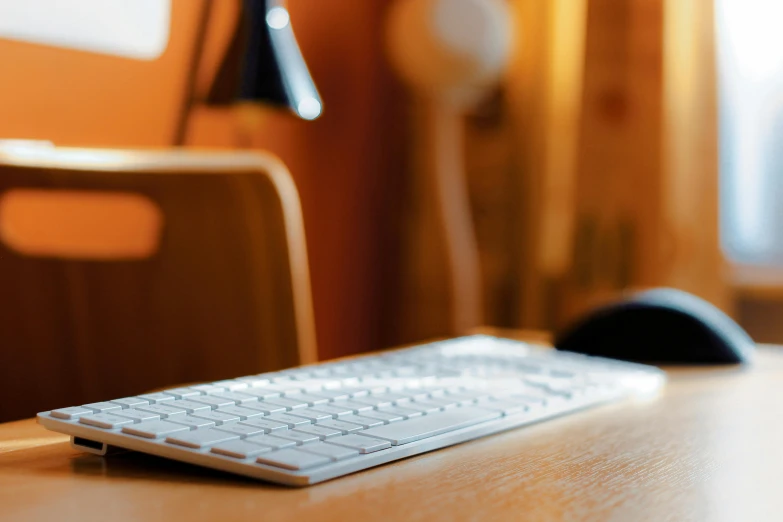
{"points": [[122, 271]]}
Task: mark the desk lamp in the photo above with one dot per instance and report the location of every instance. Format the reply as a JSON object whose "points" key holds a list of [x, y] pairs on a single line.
{"points": [[272, 68], [263, 65]]}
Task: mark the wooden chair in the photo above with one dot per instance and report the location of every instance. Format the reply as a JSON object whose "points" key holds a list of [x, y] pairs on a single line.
{"points": [[122, 271]]}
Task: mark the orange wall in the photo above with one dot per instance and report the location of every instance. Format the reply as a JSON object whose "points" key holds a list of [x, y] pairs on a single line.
{"points": [[80, 98], [347, 164]]}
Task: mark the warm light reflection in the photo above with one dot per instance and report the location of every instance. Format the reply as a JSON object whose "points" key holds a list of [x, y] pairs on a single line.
{"points": [[35, 442], [277, 18], [644, 384], [309, 108], [43, 153]]}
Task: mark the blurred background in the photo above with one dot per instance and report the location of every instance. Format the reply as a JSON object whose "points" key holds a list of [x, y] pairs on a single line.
{"points": [[509, 163]]}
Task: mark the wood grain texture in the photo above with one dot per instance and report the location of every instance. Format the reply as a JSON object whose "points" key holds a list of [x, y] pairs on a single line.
{"points": [[544, 88], [227, 293], [707, 449], [646, 194]]}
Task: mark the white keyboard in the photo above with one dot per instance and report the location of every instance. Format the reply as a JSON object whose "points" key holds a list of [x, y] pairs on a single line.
{"points": [[310, 424]]}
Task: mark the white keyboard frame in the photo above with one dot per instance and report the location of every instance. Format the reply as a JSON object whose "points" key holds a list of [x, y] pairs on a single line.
{"points": [[104, 440], [250, 468]]}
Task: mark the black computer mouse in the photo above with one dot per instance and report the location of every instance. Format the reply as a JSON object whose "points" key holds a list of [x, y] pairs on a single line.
{"points": [[663, 325]]}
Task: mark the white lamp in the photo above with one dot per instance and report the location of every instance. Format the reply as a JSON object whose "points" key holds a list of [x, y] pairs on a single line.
{"points": [[450, 53]]}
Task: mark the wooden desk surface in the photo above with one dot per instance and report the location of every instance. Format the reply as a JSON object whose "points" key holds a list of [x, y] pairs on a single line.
{"points": [[711, 448]]}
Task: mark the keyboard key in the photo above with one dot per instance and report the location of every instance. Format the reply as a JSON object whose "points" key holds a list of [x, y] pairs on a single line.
{"points": [[283, 388], [335, 409], [290, 420], [324, 370], [253, 381], [243, 430], [299, 437], [290, 403], [426, 393], [399, 433], [343, 393], [214, 402], [266, 409], [333, 452], [297, 373], [361, 443], [218, 417], [130, 402], [156, 398], [192, 422], [200, 438], [237, 397], [102, 407], [239, 449], [394, 399], [426, 407], [456, 384], [505, 407], [262, 393], [232, 384], [105, 420], [324, 396], [73, 412], [407, 371], [137, 415], [270, 441], [526, 397], [444, 402], [189, 406], [183, 393], [274, 376], [548, 382], [342, 427], [154, 429], [242, 413], [164, 410], [385, 416], [312, 385], [365, 422], [268, 425], [356, 407], [375, 401], [383, 385], [311, 414], [311, 400], [293, 459], [208, 388], [467, 397], [407, 412], [321, 432], [529, 395]]}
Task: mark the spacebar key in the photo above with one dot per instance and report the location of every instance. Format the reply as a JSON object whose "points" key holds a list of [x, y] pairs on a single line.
{"points": [[399, 433]]}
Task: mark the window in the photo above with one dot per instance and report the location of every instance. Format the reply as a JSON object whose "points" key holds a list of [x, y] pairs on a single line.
{"points": [[136, 29], [750, 69]]}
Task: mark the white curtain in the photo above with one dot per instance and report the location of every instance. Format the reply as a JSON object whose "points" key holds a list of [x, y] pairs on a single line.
{"points": [[750, 66]]}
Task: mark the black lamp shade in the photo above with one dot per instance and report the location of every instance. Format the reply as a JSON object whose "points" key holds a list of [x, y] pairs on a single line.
{"points": [[265, 64]]}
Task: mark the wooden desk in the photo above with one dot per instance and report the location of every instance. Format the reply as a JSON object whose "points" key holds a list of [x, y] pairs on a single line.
{"points": [[711, 448]]}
